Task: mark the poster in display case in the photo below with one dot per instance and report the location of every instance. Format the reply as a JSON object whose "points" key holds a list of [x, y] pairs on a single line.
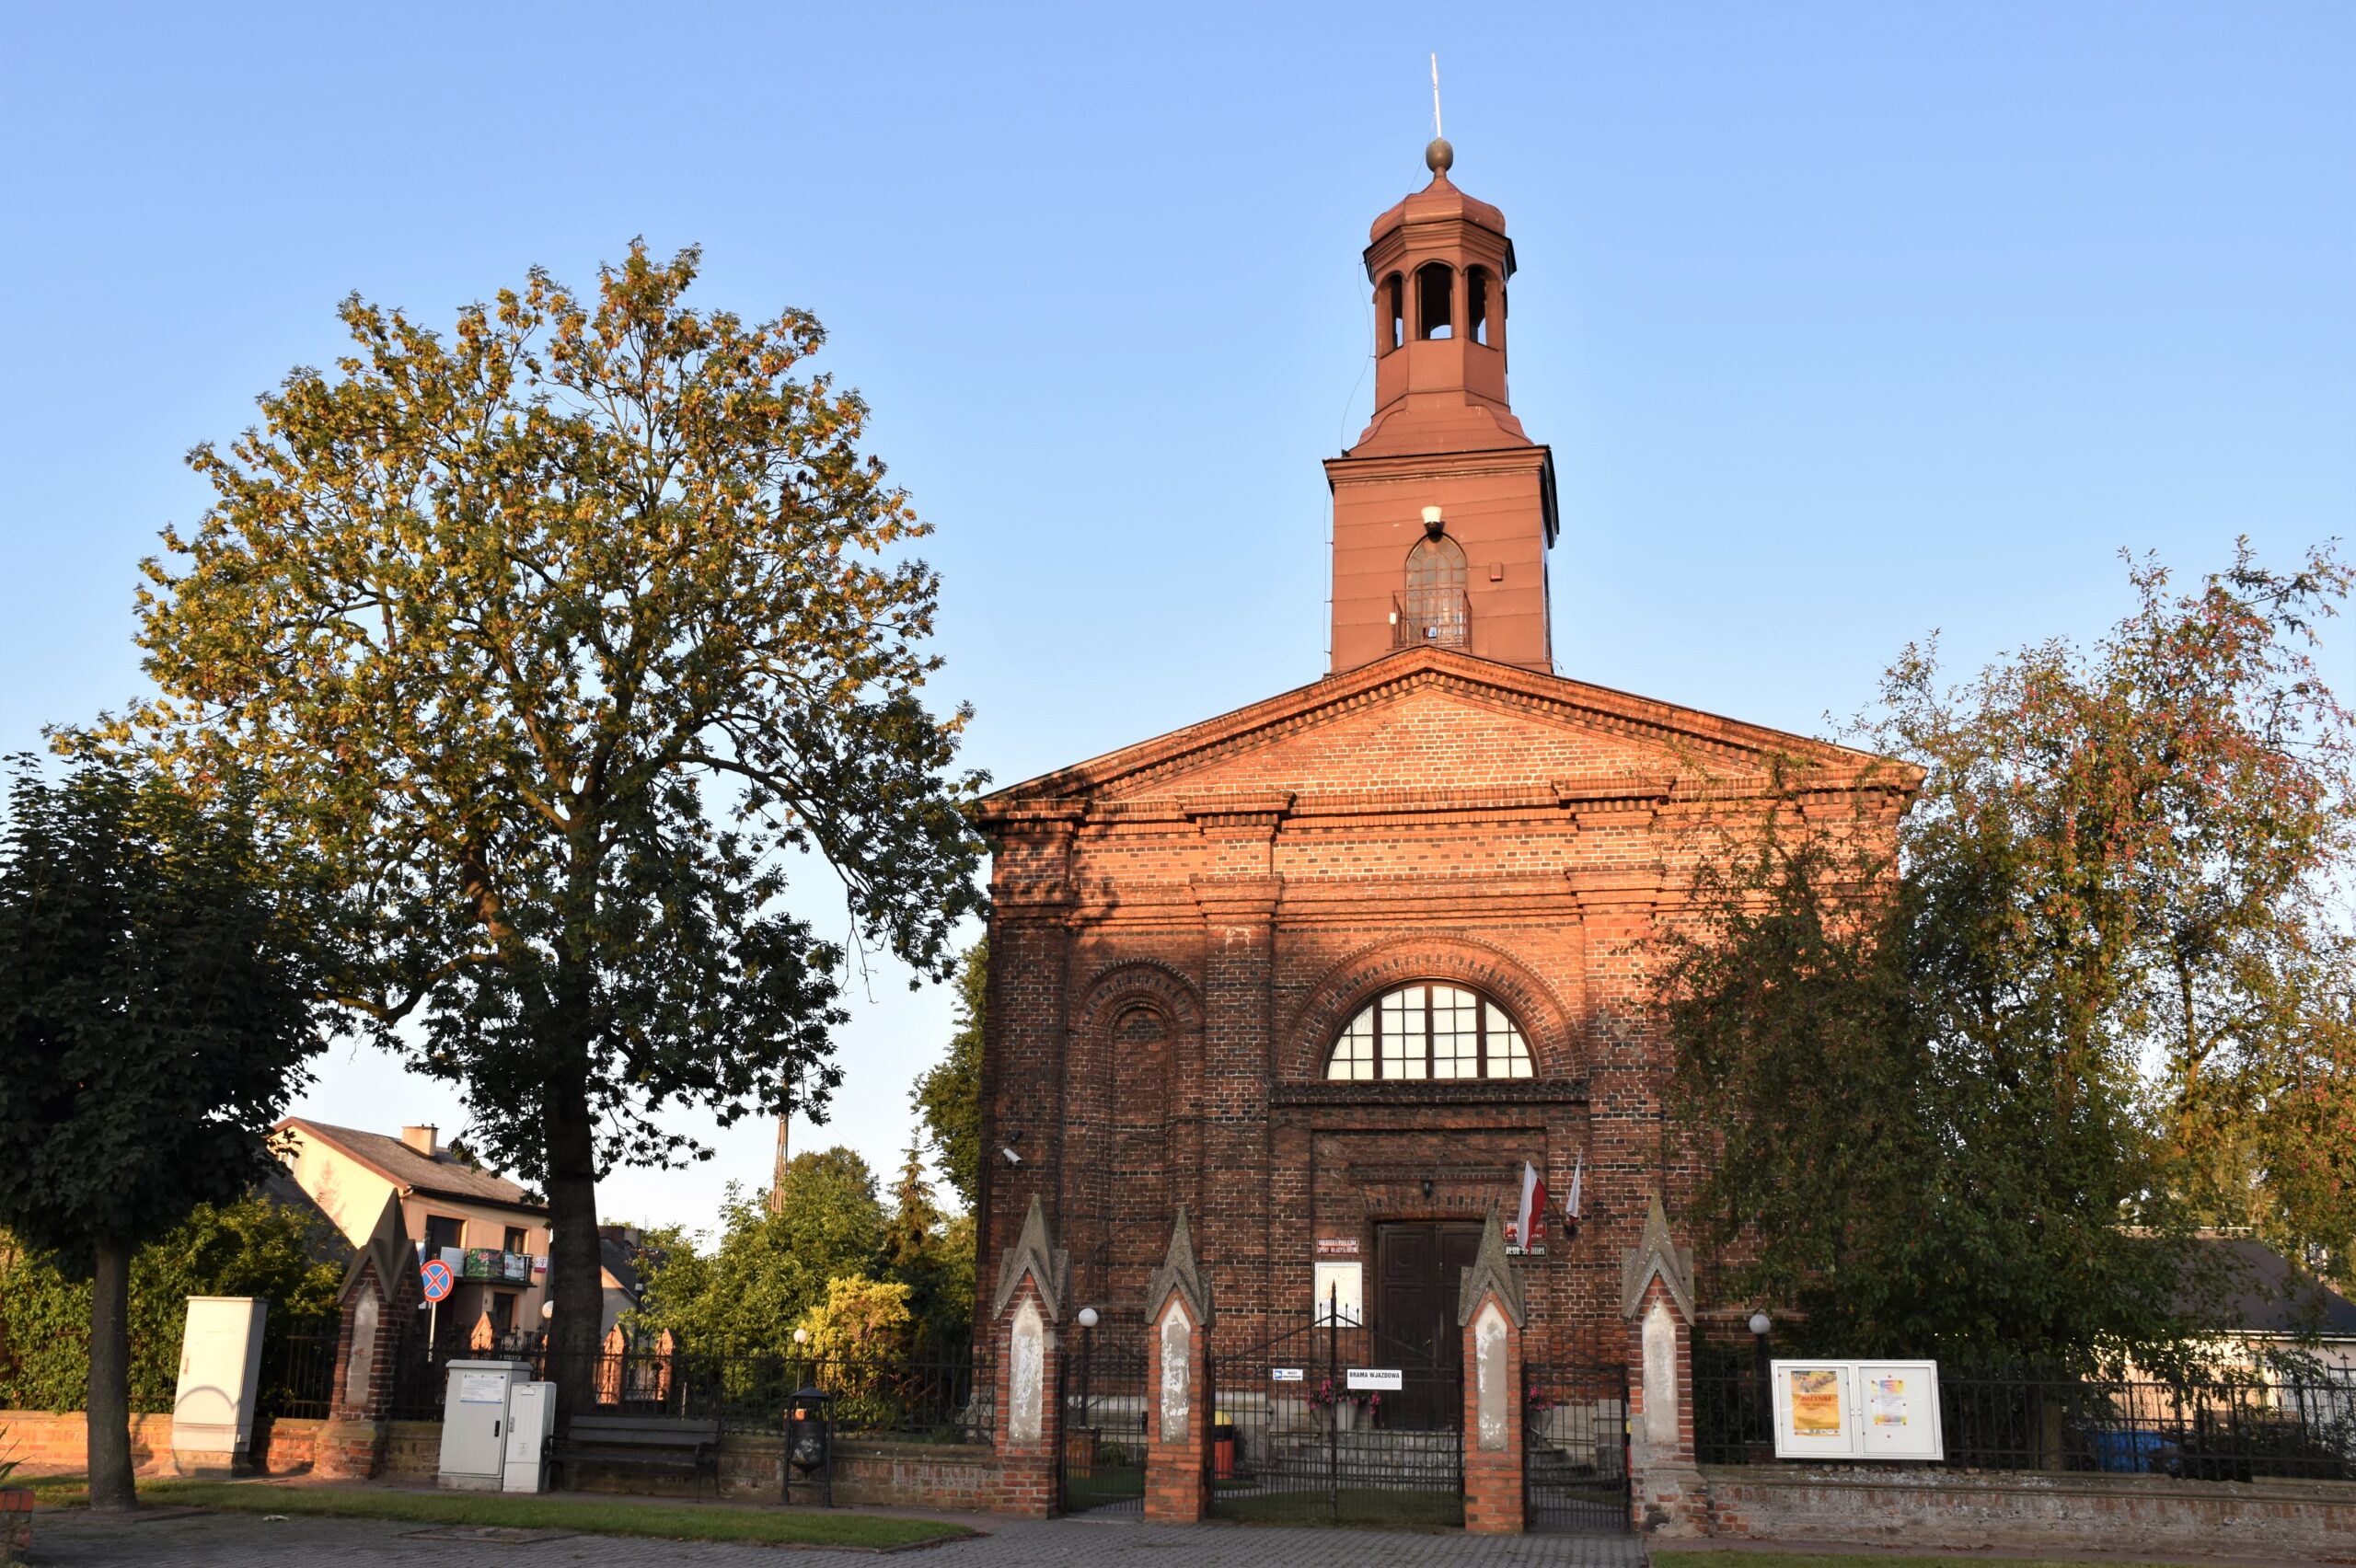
{"points": [[1857, 1409]]}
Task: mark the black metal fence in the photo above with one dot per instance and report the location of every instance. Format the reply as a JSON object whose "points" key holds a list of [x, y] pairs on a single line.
{"points": [[1575, 1447], [298, 1374], [945, 1395], [2292, 1422], [1303, 1434]]}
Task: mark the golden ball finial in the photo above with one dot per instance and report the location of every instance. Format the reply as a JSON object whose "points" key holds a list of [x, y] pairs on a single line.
{"points": [[1440, 157]]}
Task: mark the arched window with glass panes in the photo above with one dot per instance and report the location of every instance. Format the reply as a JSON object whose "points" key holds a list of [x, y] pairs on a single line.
{"points": [[1428, 1030]]}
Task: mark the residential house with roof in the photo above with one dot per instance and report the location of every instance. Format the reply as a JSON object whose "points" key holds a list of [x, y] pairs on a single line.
{"points": [[491, 1231]]}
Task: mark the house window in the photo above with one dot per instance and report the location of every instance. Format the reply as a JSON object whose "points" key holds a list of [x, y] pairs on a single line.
{"points": [[1426, 1030], [515, 1242], [502, 1312], [443, 1230]]}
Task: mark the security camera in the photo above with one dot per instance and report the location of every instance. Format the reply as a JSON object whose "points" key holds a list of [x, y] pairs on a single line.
{"points": [[1011, 1157]]}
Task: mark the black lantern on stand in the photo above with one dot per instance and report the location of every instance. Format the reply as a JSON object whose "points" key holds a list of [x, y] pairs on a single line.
{"points": [[810, 1446]]}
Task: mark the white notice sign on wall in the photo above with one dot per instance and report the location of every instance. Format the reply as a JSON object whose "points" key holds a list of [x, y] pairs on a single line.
{"points": [[1377, 1379], [1340, 1293]]}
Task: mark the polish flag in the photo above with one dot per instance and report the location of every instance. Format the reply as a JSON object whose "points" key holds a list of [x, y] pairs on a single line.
{"points": [[1530, 1224], [1571, 1203]]}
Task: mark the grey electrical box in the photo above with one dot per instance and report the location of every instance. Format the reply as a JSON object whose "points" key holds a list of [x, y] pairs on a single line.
{"points": [[474, 1422]]}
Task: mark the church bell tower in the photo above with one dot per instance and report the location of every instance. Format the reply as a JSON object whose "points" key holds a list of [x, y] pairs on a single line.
{"points": [[1444, 510]]}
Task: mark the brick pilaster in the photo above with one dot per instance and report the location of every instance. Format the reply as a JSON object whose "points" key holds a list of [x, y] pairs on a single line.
{"points": [[1493, 1501], [1178, 1417], [1239, 902], [1030, 1429], [351, 1446]]}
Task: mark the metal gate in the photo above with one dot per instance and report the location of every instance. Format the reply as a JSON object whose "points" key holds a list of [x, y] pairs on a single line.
{"points": [[1575, 1449], [1103, 1392], [1337, 1424]]}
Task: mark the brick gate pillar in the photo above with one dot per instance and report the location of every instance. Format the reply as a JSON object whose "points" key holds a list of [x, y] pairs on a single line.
{"points": [[1666, 1492], [380, 1299], [1029, 1431], [1490, 1313], [1178, 1416]]}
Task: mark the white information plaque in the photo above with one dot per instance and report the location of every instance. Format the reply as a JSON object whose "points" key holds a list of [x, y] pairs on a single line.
{"points": [[1857, 1409]]}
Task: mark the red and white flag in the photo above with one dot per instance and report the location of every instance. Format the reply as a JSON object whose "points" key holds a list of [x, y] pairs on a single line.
{"points": [[1571, 1203], [1530, 1224]]}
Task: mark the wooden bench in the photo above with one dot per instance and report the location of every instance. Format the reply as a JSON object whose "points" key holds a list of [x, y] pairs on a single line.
{"points": [[638, 1441]]}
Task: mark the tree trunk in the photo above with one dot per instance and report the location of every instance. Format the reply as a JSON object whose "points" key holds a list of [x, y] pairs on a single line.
{"points": [[576, 1278], [109, 1411]]}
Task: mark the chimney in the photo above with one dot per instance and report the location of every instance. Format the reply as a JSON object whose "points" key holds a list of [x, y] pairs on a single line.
{"points": [[421, 1139]]}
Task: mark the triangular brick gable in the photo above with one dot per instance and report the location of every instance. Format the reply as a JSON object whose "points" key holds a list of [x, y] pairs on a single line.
{"points": [[1655, 1256], [1048, 1265], [1490, 1275], [387, 1262], [1428, 721], [1181, 1274]]}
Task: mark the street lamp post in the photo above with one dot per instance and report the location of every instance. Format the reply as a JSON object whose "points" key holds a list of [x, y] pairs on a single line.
{"points": [[1761, 1325]]}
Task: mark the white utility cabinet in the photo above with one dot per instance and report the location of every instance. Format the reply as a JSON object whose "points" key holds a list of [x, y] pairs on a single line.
{"points": [[212, 1418], [531, 1416], [474, 1422]]}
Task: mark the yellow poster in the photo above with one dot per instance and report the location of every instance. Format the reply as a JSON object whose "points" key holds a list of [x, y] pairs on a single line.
{"points": [[1816, 1404]]}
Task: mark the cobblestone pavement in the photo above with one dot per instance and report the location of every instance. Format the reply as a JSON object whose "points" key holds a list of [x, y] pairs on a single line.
{"points": [[246, 1541]]}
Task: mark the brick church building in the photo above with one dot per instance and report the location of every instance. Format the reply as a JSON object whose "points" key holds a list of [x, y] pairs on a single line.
{"points": [[1329, 969]]}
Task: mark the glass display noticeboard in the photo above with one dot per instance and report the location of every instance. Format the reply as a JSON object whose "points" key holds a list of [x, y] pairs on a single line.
{"points": [[1857, 1409]]}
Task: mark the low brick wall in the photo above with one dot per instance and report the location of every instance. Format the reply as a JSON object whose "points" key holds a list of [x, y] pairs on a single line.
{"points": [[2313, 1521], [961, 1477], [57, 1443]]}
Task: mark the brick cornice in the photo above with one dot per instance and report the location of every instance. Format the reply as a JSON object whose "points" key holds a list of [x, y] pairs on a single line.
{"points": [[1238, 898]]}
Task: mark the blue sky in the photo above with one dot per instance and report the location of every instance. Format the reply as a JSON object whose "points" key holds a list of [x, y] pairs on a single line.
{"points": [[1847, 322]]}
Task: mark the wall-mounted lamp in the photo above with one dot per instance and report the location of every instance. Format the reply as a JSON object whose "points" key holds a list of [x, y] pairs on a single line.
{"points": [[1427, 1187], [1434, 525]]}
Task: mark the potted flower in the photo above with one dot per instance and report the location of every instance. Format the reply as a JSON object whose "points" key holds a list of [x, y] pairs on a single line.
{"points": [[1334, 1406]]}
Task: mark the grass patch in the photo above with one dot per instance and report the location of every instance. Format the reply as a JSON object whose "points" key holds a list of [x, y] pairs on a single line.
{"points": [[1105, 1485], [666, 1521], [1861, 1559], [54, 1490], [1352, 1508]]}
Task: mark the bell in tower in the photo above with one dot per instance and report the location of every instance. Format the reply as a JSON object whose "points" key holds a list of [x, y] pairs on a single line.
{"points": [[1444, 510]]}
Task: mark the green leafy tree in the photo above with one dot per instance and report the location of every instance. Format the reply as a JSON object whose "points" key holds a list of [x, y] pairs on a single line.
{"points": [[2103, 996], [770, 1266], [155, 1019], [948, 1095], [933, 1254], [251, 1247], [557, 639]]}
